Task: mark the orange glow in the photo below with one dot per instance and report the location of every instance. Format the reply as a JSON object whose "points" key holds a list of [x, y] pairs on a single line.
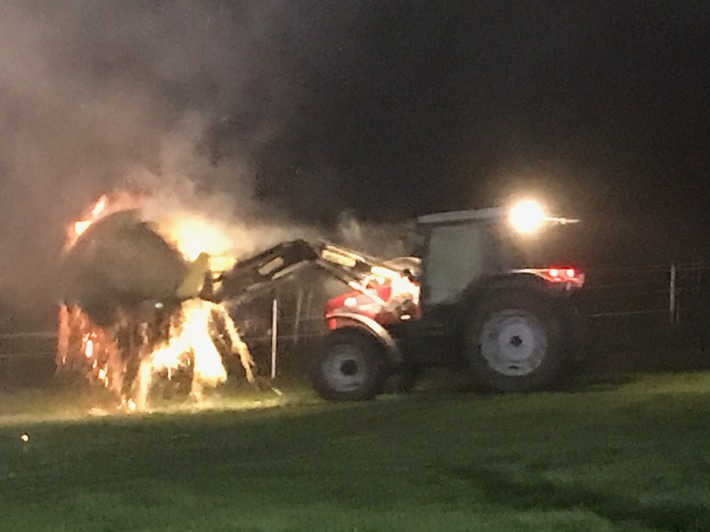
{"points": [[79, 227], [193, 236], [99, 207]]}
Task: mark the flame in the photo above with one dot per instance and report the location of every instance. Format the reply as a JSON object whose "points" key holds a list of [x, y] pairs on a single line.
{"points": [[193, 236], [190, 233], [99, 207], [189, 336], [89, 348], [80, 226], [192, 342], [195, 332], [127, 405]]}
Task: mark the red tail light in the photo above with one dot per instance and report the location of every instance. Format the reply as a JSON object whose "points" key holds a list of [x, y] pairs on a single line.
{"points": [[556, 274]]}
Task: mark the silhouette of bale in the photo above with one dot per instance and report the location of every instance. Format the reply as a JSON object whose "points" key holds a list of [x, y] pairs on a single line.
{"points": [[119, 263]]}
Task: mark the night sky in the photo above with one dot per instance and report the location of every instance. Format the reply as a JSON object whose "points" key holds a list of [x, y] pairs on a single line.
{"points": [[382, 109], [600, 107]]}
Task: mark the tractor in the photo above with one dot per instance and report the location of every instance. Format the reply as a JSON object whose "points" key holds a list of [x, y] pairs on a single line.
{"points": [[478, 296]]}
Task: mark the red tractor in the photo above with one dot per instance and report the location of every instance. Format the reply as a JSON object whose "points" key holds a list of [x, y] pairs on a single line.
{"points": [[485, 295]]}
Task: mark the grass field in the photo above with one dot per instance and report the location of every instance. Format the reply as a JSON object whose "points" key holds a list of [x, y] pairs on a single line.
{"points": [[615, 456]]}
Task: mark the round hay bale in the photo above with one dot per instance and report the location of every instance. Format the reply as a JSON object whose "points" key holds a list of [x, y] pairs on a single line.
{"points": [[119, 263]]}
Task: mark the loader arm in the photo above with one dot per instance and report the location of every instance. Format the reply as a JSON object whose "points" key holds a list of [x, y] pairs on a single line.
{"points": [[254, 275]]}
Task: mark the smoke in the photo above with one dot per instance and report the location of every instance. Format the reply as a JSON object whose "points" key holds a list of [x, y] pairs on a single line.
{"points": [[386, 240], [97, 95], [224, 108], [185, 196], [318, 106]]}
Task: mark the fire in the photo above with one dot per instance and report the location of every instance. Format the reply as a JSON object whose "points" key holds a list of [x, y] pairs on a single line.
{"points": [[191, 337], [80, 226], [88, 346], [193, 236], [89, 350], [99, 207], [191, 342]]}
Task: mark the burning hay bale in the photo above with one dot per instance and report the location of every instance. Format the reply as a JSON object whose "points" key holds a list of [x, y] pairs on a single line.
{"points": [[120, 262], [131, 314]]}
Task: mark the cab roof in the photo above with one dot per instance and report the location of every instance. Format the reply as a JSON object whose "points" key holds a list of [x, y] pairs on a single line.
{"points": [[491, 213]]}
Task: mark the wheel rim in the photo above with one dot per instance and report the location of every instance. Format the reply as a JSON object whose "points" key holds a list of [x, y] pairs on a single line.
{"points": [[344, 368], [513, 343]]}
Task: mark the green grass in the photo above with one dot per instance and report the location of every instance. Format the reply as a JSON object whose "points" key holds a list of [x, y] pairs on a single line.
{"points": [[626, 456]]}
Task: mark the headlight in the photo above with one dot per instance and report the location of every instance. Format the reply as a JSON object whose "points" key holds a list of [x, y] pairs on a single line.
{"points": [[527, 216]]}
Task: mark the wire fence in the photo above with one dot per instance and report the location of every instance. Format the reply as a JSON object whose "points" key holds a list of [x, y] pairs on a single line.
{"points": [[43, 343], [667, 294], [671, 291]]}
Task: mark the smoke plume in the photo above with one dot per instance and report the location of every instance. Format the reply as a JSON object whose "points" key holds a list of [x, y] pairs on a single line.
{"points": [[94, 96]]}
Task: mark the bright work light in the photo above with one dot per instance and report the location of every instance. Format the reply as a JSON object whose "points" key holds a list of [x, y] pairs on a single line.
{"points": [[527, 216]]}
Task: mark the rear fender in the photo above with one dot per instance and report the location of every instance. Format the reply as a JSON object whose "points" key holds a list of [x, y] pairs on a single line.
{"points": [[516, 281], [393, 353], [482, 288]]}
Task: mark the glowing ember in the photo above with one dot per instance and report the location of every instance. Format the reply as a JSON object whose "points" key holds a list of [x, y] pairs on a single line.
{"points": [[127, 405], [89, 348]]}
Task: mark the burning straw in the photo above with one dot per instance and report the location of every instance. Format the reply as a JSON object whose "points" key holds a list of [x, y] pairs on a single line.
{"points": [[133, 313]]}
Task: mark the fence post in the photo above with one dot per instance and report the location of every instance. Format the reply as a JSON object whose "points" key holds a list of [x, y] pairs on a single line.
{"points": [[672, 303], [297, 319], [274, 335]]}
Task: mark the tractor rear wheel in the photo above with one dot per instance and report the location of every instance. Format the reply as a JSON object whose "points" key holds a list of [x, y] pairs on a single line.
{"points": [[515, 342]]}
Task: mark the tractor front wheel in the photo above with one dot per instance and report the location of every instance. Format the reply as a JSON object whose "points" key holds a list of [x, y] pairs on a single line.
{"points": [[350, 367]]}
